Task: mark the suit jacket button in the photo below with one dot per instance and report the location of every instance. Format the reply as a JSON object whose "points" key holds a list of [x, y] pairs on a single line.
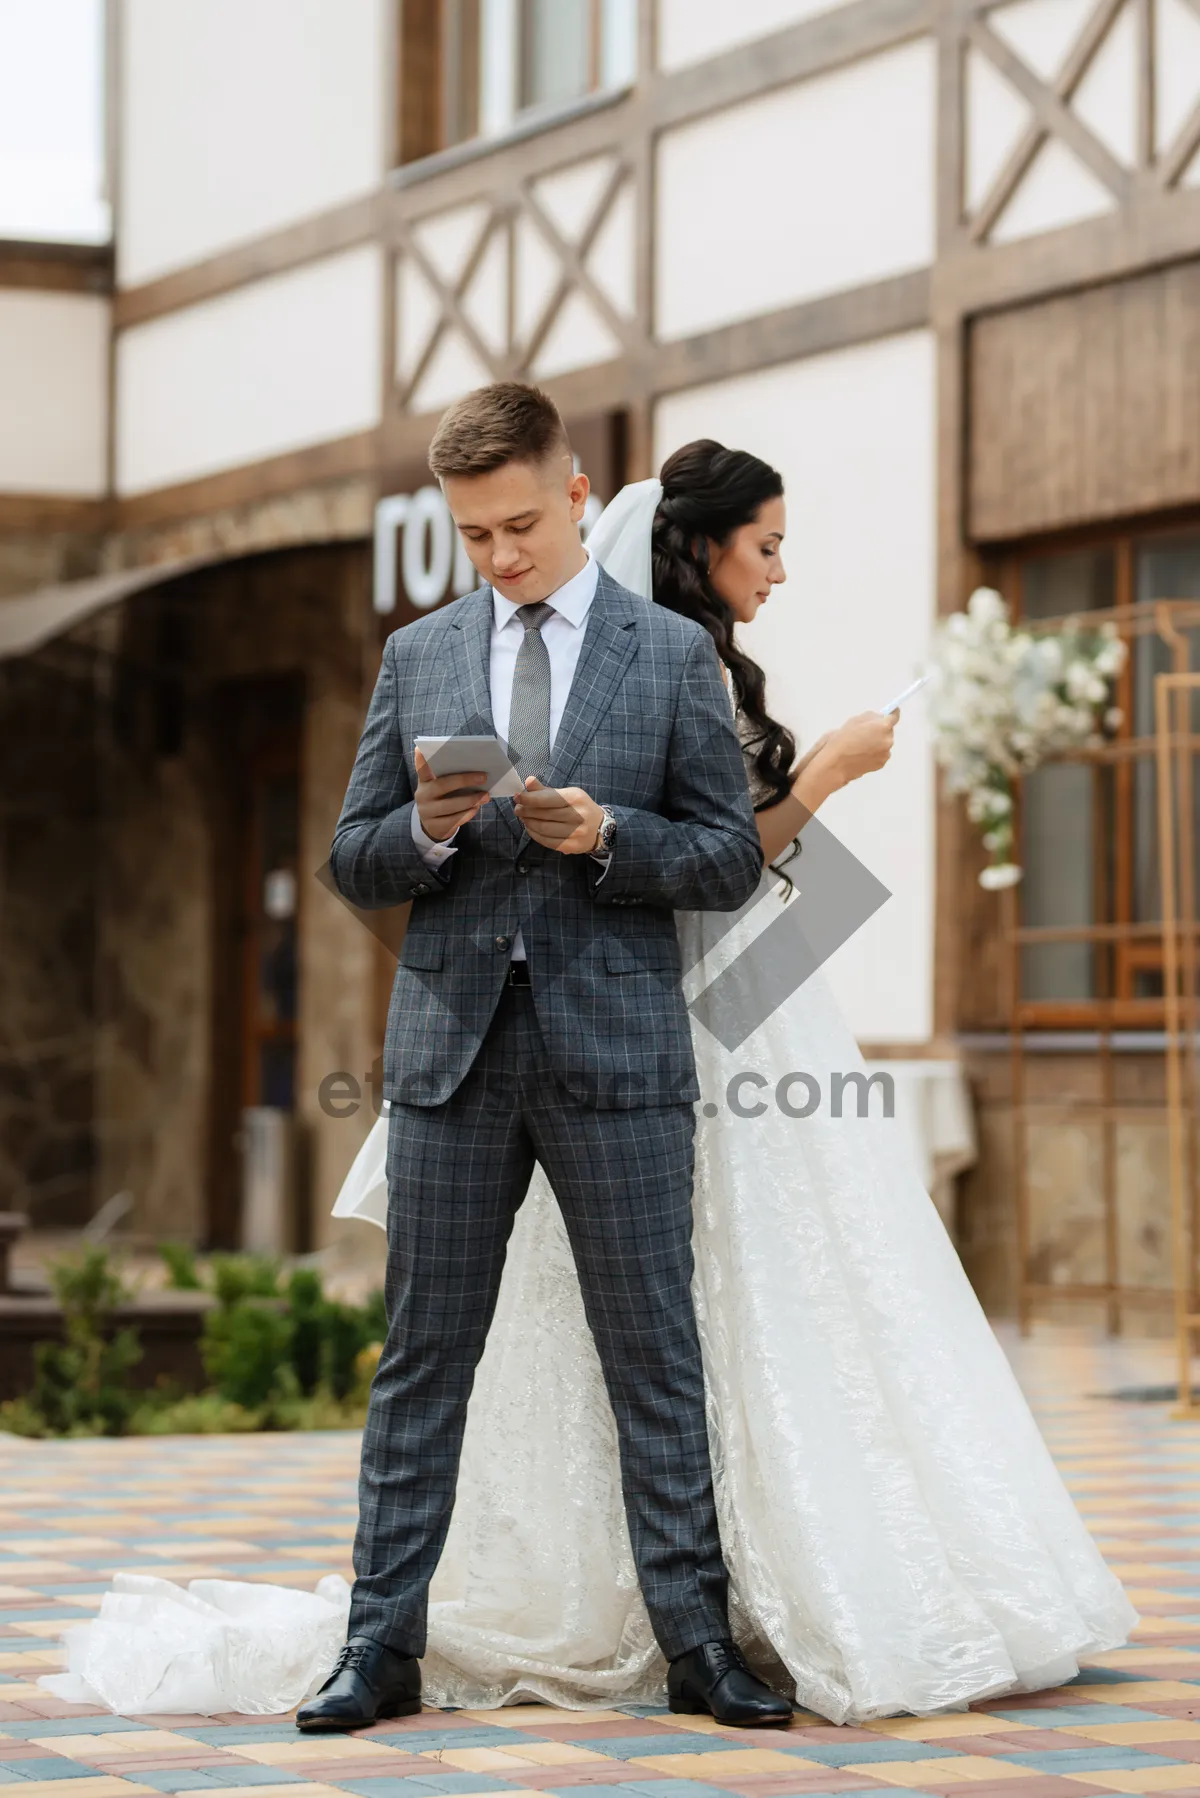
{"points": [[522, 867], [503, 942]]}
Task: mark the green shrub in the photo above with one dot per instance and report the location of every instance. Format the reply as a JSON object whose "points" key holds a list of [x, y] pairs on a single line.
{"points": [[308, 1307], [81, 1385], [236, 1277], [195, 1414], [246, 1349], [180, 1259], [320, 1412], [279, 1354], [20, 1417], [345, 1338]]}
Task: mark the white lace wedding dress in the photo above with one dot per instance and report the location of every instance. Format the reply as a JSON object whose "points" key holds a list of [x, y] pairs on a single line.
{"points": [[895, 1530]]}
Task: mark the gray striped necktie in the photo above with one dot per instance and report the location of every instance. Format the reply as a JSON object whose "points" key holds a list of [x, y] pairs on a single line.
{"points": [[529, 714]]}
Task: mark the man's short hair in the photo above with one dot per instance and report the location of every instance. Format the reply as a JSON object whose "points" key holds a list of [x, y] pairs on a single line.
{"points": [[509, 421]]}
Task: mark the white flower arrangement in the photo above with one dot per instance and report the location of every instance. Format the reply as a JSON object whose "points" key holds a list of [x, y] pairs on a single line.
{"points": [[1003, 700]]}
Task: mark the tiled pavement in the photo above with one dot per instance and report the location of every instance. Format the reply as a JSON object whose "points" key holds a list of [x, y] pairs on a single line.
{"points": [[282, 1508]]}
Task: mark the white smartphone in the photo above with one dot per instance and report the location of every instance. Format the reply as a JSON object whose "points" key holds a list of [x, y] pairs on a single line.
{"points": [[893, 705], [473, 755]]}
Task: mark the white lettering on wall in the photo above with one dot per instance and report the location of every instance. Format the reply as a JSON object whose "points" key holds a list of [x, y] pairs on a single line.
{"points": [[415, 534]]}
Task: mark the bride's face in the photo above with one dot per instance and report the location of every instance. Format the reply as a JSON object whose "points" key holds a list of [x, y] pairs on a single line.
{"points": [[744, 569]]}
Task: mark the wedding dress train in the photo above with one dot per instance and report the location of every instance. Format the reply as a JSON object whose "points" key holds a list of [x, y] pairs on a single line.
{"points": [[895, 1530]]}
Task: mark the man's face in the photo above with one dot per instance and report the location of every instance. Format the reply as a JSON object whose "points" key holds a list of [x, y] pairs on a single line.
{"points": [[520, 525]]}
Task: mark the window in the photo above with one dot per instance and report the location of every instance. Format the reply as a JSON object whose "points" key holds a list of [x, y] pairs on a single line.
{"points": [[1089, 825], [471, 68]]}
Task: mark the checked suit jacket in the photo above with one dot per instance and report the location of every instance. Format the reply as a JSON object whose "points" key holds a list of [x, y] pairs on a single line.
{"points": [[647, 730]]}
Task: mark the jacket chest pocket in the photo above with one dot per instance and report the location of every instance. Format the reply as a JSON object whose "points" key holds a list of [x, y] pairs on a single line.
{"points": [[654, 955], [423, 952]]}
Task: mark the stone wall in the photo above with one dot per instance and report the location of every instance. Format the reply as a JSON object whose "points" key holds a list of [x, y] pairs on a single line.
{"points": [[32, 559], [296, 612], [48, 889], [1065, 1171], [153, 929], [48, 721], [109, 843]]}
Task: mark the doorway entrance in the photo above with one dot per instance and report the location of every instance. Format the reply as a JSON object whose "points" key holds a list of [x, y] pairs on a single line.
{"points": [[256, 837]]}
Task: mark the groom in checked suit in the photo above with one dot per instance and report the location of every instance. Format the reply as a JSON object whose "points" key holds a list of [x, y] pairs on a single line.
{"points": [[537, 1014]]}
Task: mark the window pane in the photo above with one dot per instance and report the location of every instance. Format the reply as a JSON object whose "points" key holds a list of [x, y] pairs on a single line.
{"points": [[1166, 569], [557, 50], [1082, 581], [1150, 657], [1057, 818], [1169, 569], [52, 121], [499, 27], [1057, 843], [618, 47]]}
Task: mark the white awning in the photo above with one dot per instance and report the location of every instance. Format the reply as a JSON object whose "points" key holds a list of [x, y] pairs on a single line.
{"points": [[35, 618]]}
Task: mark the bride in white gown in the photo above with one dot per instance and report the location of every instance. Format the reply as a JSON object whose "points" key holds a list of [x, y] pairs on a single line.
{"points": [[896, 1533]]}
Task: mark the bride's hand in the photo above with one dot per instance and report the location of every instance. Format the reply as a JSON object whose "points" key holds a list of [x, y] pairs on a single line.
{"points": [[860, 746]]}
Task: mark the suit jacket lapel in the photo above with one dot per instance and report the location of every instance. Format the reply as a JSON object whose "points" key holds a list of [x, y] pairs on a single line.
{"points": [[471, 673], [609, 645]]}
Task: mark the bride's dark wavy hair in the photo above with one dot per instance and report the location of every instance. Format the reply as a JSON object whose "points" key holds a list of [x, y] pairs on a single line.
{"points": [[708, 493]]}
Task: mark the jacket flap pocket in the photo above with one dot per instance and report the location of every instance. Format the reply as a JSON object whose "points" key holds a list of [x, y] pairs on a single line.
{"points": [[641, 955], [422, 951]]}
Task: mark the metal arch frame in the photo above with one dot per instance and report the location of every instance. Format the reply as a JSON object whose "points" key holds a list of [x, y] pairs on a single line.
{"points": [[1176, 747], [1181, 939]]}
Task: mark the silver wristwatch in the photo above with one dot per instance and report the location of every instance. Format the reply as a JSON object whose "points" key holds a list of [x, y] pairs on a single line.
{"points": [[606, 833]]}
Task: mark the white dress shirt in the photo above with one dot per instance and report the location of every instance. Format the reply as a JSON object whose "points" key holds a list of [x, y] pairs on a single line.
{"points": [[563, 636]]}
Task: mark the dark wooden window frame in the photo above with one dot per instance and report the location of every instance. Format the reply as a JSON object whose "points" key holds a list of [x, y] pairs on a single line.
{"points": [[1126, 947], [439, 58]]}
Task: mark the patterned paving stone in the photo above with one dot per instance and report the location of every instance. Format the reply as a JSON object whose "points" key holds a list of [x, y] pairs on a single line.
{"points": [[73, 1513]]}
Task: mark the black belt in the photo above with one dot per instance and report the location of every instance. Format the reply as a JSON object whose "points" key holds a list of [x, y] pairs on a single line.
{"points": [[518, 973]]}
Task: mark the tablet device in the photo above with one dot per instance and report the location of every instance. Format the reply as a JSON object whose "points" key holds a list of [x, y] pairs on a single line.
{"points": [[470, 755], [893, 705]]}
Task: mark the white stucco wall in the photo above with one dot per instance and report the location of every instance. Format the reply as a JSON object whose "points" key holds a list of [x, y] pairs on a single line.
{"points": [[53, 393], [822, 186], [691, 30], [276, 366], [853, 435], [241, 116]]}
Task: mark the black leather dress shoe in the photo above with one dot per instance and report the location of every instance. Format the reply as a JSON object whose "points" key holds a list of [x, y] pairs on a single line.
{"points": [[369, 1681], [714, 1678]]}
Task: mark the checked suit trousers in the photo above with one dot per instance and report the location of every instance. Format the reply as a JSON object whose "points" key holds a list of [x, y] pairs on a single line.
{"points": [[457, 1174]]}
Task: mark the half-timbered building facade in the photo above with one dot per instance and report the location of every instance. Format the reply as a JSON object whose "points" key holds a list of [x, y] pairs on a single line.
{"points": [[938, 260]]}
